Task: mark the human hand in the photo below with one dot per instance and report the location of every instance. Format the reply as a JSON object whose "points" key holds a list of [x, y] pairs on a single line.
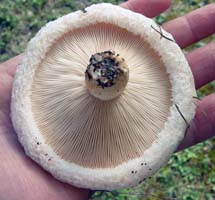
{"points": [[21, 178]]}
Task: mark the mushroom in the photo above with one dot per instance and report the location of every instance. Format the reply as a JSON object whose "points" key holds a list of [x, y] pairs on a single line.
{"points": [[99, 97]]}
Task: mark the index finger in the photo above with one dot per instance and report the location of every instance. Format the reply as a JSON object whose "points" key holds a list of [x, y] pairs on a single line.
{"points": [[149, 8]]}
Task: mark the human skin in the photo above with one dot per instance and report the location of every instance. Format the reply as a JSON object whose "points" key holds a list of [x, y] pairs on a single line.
{"points": [[23, 179]]}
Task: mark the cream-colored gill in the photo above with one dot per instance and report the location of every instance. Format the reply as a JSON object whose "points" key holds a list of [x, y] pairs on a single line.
{"points": [[88, 131]]}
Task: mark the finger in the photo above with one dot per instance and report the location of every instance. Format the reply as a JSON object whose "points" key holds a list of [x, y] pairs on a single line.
{"points": [[149, 8], [203, 126], [192, 27], [202, 63], [9, 67]]}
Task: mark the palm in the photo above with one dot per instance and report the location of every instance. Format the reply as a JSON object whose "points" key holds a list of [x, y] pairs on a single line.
{"points": [[21, 178]]}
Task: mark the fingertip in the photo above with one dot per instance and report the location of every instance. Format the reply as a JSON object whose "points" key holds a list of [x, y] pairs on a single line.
{"points": [[202, 126], [149, 8]]}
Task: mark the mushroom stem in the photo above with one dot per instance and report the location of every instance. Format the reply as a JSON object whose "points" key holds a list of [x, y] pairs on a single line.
{"points": [[107, 75]]}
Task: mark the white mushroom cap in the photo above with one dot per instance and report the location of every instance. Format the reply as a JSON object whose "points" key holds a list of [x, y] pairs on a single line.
{"points": [[83, 140]]}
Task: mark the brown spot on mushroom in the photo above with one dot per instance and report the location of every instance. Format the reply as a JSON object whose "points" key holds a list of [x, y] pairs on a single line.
{"points": [[142, 180], [83, 10]]}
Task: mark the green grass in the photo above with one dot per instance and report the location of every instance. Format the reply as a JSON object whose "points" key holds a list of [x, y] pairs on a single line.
{"points": [[190, 174]]}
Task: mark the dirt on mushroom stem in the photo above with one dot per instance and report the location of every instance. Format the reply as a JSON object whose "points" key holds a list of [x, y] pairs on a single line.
{"points": [[106, 75]]}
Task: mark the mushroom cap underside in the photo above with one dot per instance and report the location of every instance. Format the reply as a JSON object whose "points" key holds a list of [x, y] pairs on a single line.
{"points": [[83, 140]]}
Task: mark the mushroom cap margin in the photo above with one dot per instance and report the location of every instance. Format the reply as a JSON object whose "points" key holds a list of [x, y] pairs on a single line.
{"points": [[157, 155]]}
